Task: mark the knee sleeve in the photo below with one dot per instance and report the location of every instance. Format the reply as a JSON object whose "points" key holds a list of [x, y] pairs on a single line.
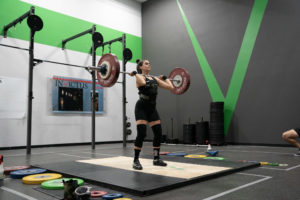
{"points": [[141, 134], [157, 131]]}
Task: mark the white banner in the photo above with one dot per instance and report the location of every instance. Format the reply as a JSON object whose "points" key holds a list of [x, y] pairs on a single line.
{"points": [[12, 98]]}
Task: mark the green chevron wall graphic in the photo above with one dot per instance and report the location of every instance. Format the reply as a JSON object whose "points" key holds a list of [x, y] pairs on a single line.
{"points": [[58, 27], [241, 65]]}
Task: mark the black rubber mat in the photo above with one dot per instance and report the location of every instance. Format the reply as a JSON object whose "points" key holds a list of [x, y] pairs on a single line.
{"points": [[137, 182]]}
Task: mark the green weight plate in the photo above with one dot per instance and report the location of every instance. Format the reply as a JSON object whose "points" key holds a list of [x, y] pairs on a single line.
{"points": [[273, 164], [57, 184]]}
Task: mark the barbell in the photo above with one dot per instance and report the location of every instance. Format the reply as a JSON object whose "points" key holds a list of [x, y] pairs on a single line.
{"points": [[108, 70]]}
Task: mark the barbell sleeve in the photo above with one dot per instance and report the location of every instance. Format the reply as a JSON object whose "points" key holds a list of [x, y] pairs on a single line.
{"points": [[174, 80], [126, 73], [93, 68]]}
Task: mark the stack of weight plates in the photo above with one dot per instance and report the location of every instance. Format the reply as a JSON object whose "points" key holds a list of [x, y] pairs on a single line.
{"points": [[201, 132], [216, 125], [188, 133]]}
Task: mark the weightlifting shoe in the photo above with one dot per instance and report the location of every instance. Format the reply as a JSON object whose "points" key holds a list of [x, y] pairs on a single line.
{"points": [[297, 154], [137, 165], [159, 162]]}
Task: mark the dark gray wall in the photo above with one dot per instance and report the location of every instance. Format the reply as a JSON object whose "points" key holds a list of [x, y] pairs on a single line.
{"points": [[269, 101]]}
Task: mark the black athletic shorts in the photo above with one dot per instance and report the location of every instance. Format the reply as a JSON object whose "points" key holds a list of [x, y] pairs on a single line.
{"points": [[144, 110], [297, 131]]}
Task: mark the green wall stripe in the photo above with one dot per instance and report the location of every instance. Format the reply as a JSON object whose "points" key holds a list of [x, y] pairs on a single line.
{"points": [[58, 26], [241, 65], [243, 59], [209, 76]]}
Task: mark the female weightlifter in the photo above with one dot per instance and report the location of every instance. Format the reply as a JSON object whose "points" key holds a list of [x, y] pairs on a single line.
{"points": [[145, 110]]}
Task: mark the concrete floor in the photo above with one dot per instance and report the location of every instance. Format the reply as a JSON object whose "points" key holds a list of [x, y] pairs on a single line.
{"points": [[262, 183]]}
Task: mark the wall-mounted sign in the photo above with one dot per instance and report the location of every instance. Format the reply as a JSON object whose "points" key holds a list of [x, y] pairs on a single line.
{"points": [[72, 95]]}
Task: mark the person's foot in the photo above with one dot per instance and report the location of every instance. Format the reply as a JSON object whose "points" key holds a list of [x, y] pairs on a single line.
{"points": [[298, 153], [137, 165], [159, 162]]}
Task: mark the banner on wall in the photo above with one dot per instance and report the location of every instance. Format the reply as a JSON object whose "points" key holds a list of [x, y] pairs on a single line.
{"points": [[13, 93], [72, 95]]}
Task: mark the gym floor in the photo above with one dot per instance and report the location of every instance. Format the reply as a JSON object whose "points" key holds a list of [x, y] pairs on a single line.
{"points": [[264, 182]]}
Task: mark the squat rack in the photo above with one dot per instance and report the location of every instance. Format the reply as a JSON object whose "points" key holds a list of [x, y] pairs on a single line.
{"points": [[124, 100], [31, 65], [35, 23]]}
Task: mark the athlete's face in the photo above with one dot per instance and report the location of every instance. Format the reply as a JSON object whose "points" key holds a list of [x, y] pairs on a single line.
{"points": [[146, 67]]}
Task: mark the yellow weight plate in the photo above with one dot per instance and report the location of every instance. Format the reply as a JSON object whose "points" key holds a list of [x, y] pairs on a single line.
{"points": [[39, 178], [264, 163], [123, 199], [195, 156]]}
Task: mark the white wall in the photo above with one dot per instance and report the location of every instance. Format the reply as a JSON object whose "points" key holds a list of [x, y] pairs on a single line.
{"points": [[121, 15], [50, 128]]}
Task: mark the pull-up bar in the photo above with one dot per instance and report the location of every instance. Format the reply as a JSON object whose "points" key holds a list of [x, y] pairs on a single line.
{"points": [[20, 19], [91, 30], [97, 37], [120, 39], [5, 45], [112, 41]]}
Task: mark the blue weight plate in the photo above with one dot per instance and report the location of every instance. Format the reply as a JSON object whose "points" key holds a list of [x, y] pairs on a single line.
{"points": [[112, 196], [26, 172], [177, 154], [212, 153]]}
